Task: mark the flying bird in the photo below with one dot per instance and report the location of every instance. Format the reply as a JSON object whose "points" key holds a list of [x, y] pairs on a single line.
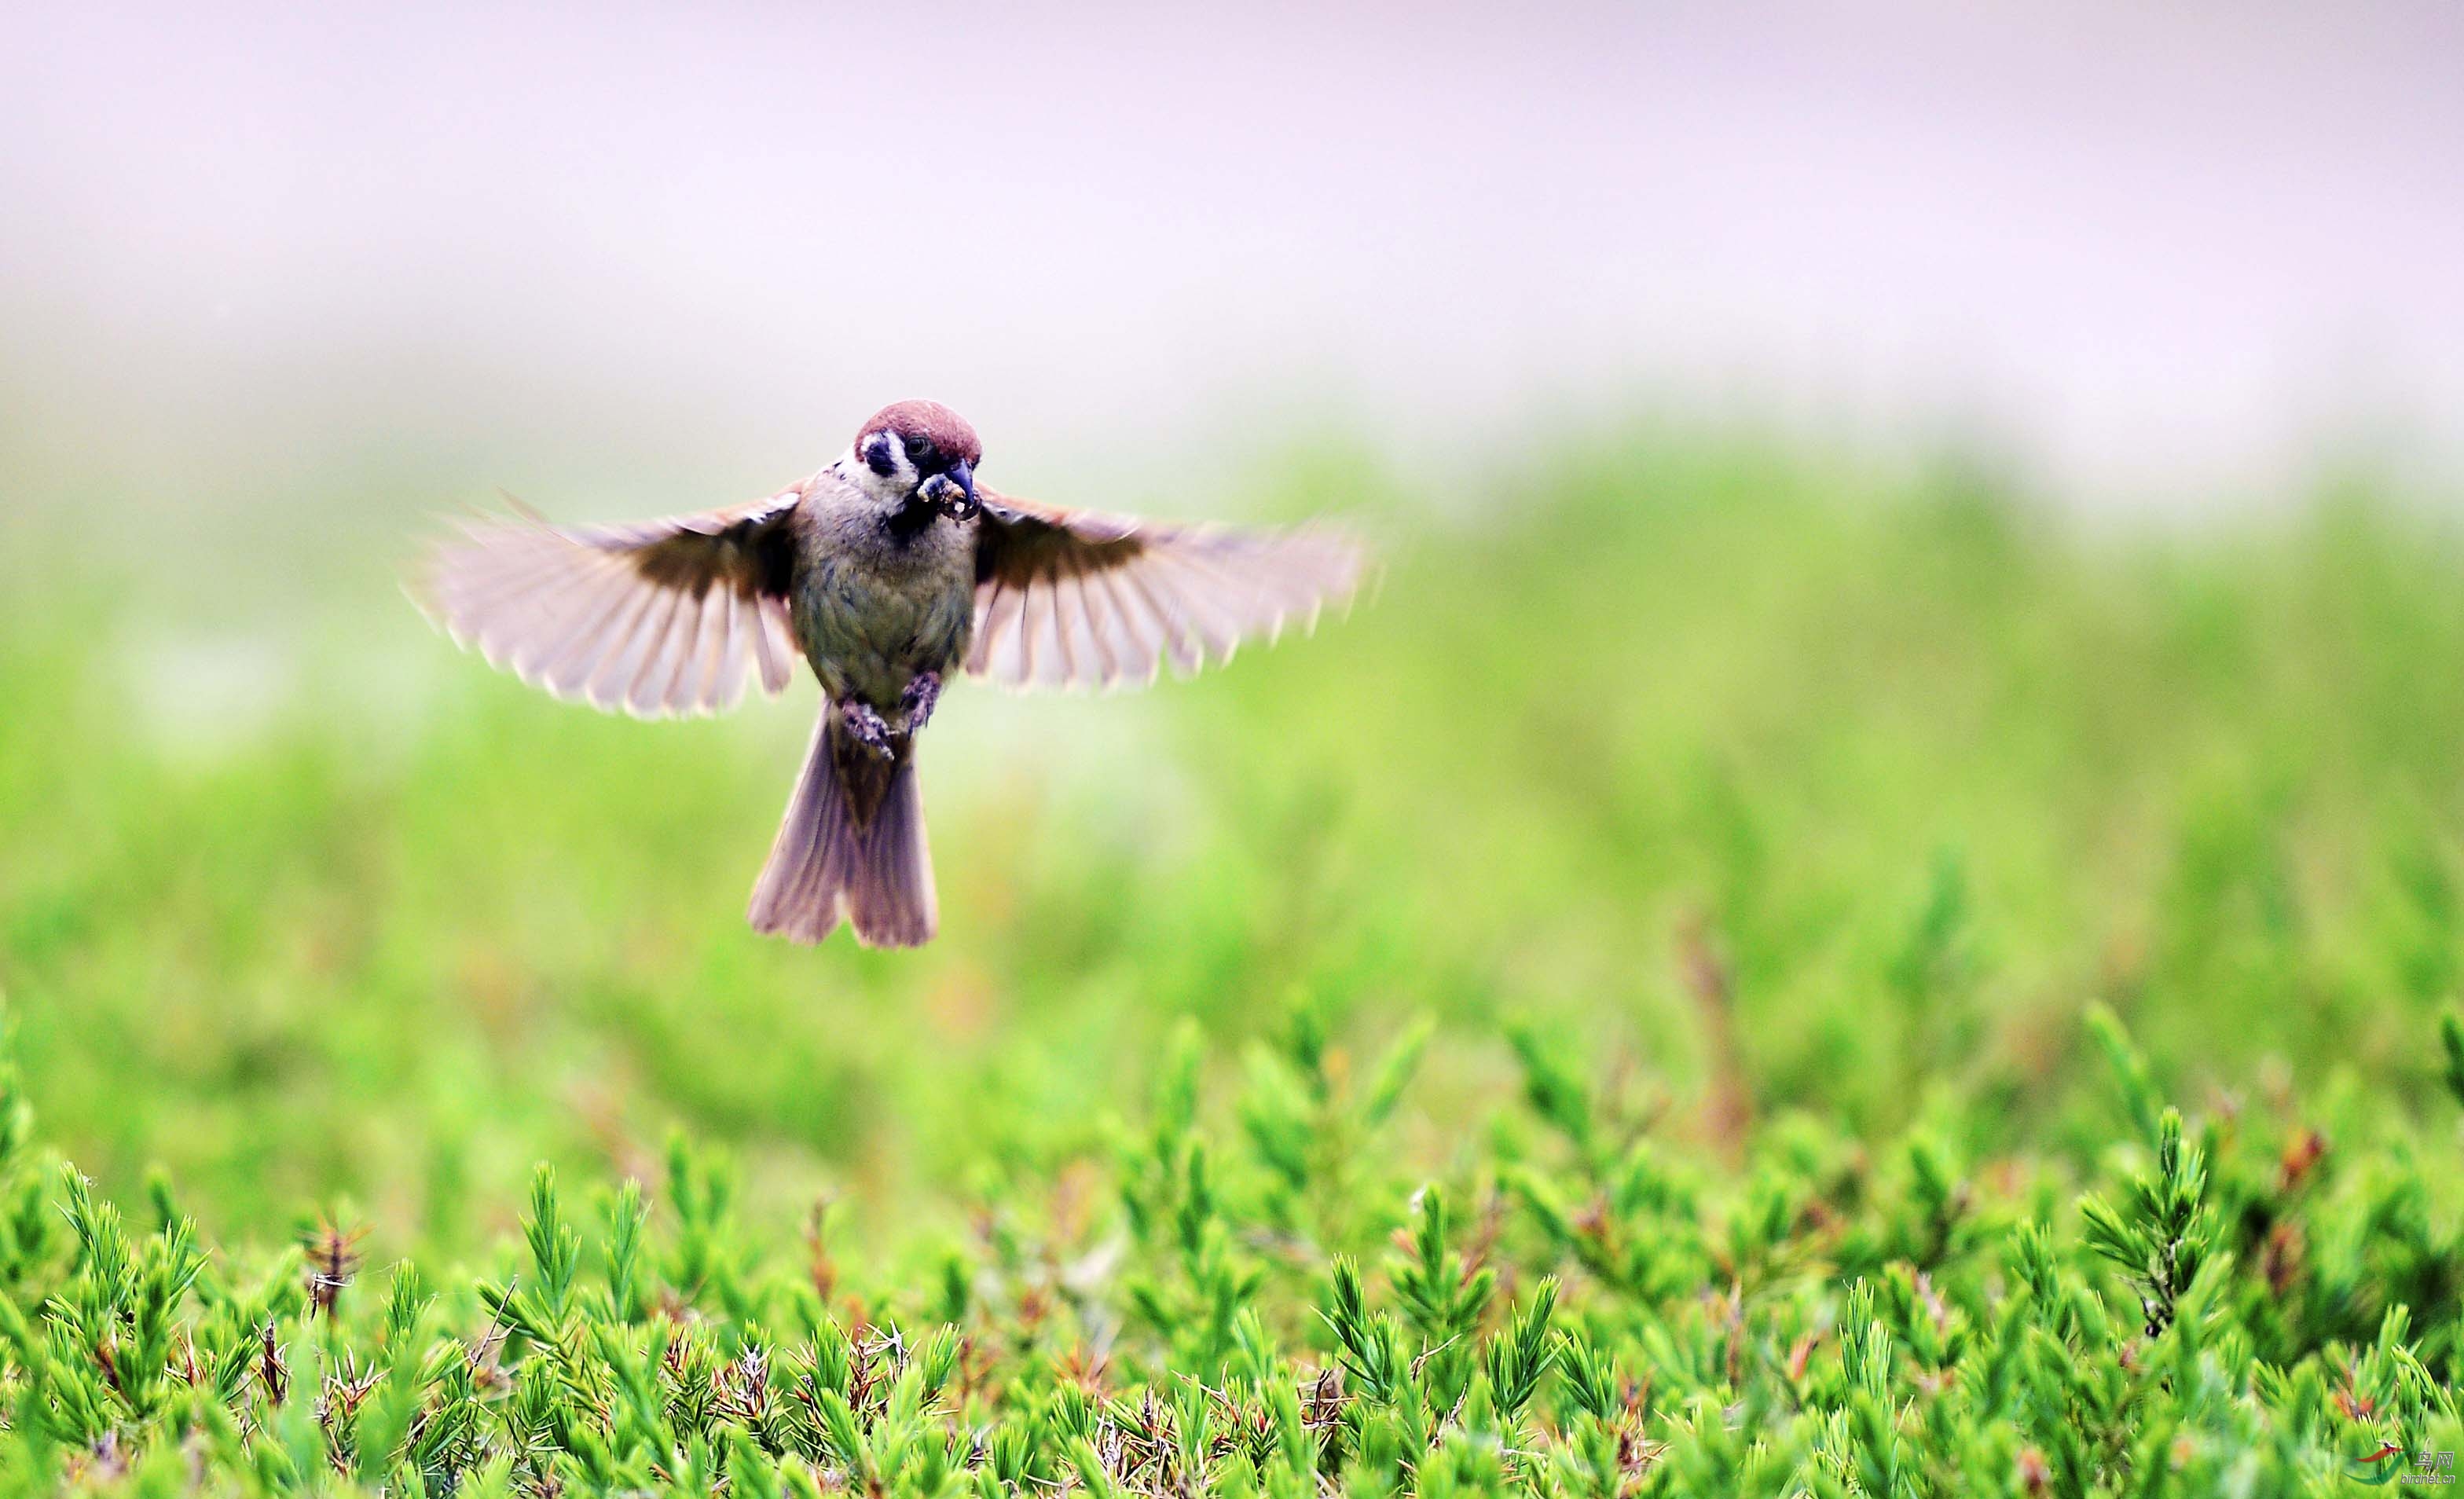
{"points": [[888, 571]]}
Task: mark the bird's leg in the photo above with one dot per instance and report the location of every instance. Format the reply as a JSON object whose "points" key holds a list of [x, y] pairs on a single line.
{"points": [[867, 727], [915, 704]]}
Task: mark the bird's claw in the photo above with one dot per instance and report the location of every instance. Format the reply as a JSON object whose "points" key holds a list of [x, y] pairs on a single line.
{"points": [[915, 704], [866, 728]]}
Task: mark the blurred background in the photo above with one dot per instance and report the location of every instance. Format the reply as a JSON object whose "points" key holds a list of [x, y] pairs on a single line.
{"points": [[1946, 504], [2157, 250]]}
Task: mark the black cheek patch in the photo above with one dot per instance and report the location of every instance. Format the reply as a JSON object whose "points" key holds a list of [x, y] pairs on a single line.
{"points": [[876, 454]]}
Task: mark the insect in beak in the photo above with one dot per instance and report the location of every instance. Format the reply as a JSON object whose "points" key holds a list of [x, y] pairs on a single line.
{"points": [[954, 491]]}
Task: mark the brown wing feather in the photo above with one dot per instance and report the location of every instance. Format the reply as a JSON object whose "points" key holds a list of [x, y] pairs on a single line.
{"points": [[654, 617], [1076, 599]]}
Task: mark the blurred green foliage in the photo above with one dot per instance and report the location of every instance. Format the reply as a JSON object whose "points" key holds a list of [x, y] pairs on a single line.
{"points": [[1842, 982], [1232, 1316]]}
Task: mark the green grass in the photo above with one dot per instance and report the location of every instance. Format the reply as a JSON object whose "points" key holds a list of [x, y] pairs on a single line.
{"points": [[1700, 873]]}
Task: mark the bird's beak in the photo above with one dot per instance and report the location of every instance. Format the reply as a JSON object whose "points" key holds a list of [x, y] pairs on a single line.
{"points": [[961, 477]]}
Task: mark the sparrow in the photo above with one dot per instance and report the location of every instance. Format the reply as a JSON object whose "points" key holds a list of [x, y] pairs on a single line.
{"points": [[888, 572]]}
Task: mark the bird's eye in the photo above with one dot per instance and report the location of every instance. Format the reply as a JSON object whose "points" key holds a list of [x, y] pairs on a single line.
{"points": [[921, 448]]}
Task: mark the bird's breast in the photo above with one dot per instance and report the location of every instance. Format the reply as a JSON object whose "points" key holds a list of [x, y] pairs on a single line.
{"points": [[870, 618]]}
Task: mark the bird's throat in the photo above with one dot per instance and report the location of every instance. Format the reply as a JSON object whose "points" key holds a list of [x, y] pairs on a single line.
{"points": [[912, 519]]}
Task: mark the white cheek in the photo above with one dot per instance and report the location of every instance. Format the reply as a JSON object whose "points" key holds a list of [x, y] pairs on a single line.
{"points": [[892, 487]]}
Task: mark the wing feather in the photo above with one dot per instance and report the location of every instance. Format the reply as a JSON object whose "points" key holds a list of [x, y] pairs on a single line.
{"points": [[613, 654], [773, 642], [571, 656], [1178, 639], [1053, 666], [1076, 599], [669, 641], [1095, 629], [653, 617], [696, 679], [1135, 639]]}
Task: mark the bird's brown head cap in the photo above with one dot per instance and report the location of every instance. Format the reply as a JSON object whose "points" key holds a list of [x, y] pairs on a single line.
{"points": [[930, 432]]}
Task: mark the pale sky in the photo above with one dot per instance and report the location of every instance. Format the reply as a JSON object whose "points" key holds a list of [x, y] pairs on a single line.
{"points": [[566, 245]]}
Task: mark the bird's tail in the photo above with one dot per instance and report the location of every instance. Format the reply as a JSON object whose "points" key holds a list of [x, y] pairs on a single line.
{"points": [[851, 848]]}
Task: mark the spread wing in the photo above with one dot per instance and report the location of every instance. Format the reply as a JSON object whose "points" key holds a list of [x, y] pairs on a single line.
{"points": [[654, 617], [1075, 598]]}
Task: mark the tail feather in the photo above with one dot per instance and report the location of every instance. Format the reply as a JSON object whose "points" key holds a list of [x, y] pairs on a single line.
{"points": [[861, 859], [889, 888]]}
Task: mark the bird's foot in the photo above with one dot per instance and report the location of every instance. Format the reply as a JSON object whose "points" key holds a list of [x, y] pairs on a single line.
{"points": [[915, 705], [866, 728]]}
